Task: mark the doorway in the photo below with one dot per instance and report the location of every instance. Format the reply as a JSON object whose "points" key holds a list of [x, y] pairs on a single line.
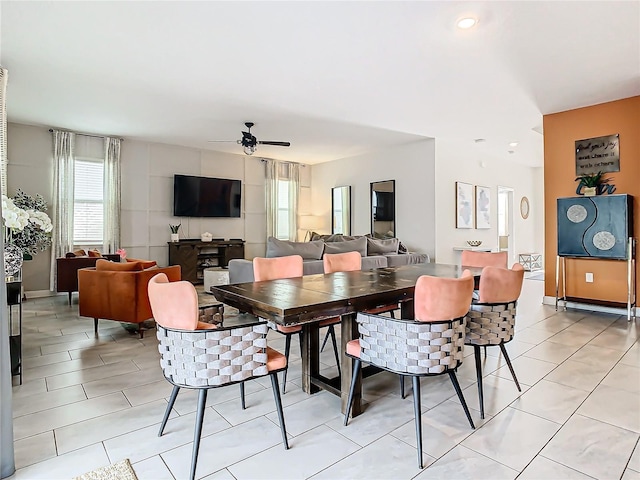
{"points": [[506, 240]]}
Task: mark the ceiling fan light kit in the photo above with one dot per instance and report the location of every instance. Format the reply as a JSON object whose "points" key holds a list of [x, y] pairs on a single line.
{"points": [[249, 142]]}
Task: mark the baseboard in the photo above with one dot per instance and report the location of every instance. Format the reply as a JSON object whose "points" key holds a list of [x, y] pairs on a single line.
{"points": [[39, 293], [547, 300]]}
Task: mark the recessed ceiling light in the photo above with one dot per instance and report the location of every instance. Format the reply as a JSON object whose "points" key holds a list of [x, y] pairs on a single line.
{"points": [[513, 144], [466, 22]]}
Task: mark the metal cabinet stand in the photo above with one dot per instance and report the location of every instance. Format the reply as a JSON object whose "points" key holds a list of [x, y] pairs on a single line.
{"points": [[14, 299], [561, 270]]}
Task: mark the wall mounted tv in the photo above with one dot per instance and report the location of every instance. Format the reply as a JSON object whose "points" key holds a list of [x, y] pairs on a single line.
{"points": [[206, 197]]}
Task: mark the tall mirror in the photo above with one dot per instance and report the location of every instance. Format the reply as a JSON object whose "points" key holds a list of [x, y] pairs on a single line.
{"points": [[341, 210], [383, 209]]}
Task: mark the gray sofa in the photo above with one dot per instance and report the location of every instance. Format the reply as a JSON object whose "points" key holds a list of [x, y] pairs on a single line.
{"points": [[376, 253]]}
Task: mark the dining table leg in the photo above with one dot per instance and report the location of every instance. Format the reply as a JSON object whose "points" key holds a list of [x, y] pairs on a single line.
{"points": [[349, 332], [310, 356]]}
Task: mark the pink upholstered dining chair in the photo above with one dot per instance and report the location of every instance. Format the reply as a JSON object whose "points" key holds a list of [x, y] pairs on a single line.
{"points": [[491, 319], [191, 355], [432, 344], [284, 267], [484, 259]]}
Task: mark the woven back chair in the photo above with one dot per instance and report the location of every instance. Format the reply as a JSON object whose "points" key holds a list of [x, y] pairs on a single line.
{"points": [[470, 258], [491, 319], [286, 267], [202, 355], [432, 344]]}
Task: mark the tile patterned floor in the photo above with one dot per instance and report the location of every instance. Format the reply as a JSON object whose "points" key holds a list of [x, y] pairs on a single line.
{"points": [[88, 401]]}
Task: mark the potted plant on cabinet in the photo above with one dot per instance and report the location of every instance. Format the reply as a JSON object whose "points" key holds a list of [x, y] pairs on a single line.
{"points": [[590, 182], [175, 237]]}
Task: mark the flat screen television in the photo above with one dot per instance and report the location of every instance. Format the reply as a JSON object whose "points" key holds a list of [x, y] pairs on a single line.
{"points": [[206, 197]]}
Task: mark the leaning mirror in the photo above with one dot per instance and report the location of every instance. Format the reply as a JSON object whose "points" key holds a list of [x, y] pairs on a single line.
{"points": [[383, 209], [341, 210]]}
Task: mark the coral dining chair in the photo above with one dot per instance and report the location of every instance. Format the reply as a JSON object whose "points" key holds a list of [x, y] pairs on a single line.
{"points": [[199, 355], [491, 319], [432, 344], [471, 258], [275, 268]]}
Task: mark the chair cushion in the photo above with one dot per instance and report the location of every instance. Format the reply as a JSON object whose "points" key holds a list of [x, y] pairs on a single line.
{"points": [[293, 329], [275, 360], [358, 245], [145, 263], [353, 348], [94, 253], [79, 253], [377, 246], [283, 248], [106, 265], [205, 326]]}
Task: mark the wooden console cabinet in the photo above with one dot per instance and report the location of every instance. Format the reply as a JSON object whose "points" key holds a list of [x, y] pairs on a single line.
{"points": [[194, 256]]}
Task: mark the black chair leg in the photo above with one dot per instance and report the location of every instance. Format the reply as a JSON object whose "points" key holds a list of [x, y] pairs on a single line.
{"points": [[485, 351], [513, 373], [276, 396], [244, 406], [332, 331], [287, 349], [393, 314], [202, 400], [456, 386], [95, 325], [476, 352], [402, 386], [418, 414], [172, 400], [356, 370], [70, 293], [326, 337]]}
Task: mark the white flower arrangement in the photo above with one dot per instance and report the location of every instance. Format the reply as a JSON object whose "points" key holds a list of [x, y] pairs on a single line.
{"points": [[27, 226]]}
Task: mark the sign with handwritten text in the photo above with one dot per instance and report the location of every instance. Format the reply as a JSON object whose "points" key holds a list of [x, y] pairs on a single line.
{"points": [[600, 154]]}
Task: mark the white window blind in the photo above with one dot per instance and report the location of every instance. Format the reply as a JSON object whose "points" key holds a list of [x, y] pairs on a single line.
{"points": [[88, 213]]}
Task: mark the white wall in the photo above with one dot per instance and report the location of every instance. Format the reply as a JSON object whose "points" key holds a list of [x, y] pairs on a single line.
{"points": [[412, 166], [456, 161], [147, 194]]}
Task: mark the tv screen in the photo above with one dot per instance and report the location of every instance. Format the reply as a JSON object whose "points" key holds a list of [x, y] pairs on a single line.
{"points": [[205, 197]]}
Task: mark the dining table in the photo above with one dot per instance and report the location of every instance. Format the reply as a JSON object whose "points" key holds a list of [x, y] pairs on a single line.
{"points": [[308, 299]]}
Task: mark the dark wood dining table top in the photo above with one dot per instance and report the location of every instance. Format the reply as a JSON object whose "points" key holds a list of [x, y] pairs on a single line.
{"points": [[312, 297]]}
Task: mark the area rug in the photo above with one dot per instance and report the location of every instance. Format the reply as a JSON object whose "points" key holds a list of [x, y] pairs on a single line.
{"points": [[118, 471]]}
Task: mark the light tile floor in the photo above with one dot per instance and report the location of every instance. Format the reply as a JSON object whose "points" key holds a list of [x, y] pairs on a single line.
{"points": [[89, 401]]}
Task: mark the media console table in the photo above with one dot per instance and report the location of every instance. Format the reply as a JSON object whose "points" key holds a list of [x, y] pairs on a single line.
{"points": [[194, 256]]}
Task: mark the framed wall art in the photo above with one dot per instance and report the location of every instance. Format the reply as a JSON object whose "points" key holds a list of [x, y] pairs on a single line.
{"points": [[464, 205], [483, 207]]}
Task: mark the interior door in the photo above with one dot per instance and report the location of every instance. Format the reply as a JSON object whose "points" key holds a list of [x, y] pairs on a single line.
{"points": [[505, 222]]}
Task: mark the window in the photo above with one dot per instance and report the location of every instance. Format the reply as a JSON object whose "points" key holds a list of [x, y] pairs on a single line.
{"points": [[88, 201], [283, 210]]}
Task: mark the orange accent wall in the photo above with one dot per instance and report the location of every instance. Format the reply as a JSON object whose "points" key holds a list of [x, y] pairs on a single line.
{"points": [[561, 130]]}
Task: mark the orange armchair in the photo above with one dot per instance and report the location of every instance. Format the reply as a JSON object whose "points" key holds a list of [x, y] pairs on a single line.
{"points": [[118, 291]]}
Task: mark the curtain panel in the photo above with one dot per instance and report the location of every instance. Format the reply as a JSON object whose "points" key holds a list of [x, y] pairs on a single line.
{"points": [[111, 194], [62, 216]]}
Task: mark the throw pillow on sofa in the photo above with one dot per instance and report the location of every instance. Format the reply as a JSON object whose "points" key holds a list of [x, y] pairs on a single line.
{"points": [[376, 246], [357, 245], [145, 263], [282, 248]]}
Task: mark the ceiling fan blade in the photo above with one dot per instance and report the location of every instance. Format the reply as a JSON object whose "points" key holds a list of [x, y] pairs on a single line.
{"points": [[222, 141], [279, 144]]}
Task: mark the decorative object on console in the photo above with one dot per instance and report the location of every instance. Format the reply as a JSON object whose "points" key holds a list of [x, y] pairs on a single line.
{"points": [[464, 205], [474, 243], [594, 184], [122, 252], [175, 237], [206, 237], [26, 225], [483, 207]]}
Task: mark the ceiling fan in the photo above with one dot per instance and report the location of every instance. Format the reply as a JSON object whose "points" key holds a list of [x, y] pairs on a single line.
{"points": [[249, 141]]}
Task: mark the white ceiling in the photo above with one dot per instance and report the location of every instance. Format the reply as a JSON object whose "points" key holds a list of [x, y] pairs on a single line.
{"points": [[335, 79]]}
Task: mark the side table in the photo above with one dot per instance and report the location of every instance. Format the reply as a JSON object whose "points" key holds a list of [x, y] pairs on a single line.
{"points": [[530, 261]]}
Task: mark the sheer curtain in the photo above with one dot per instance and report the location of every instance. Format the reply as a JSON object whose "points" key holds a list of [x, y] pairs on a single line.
{"points": [[282, 191], [7, 459], [111, 194], [62, 212]]}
